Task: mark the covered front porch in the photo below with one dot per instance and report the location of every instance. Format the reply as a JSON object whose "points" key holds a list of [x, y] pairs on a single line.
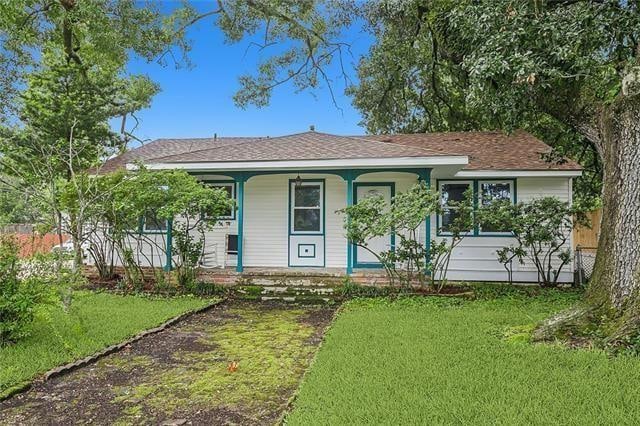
{"points": [[289, 218]]}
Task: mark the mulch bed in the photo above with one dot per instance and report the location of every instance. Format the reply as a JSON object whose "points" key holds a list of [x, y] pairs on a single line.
{"points": [[181, 375]]}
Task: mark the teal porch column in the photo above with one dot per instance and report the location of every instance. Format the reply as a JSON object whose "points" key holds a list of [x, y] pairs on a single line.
{"points": [[425, 175], [240, 180], [169, 251], [349, 181]]}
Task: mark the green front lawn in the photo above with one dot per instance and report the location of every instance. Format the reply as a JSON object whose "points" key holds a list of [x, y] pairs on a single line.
{"points": [[440, 361], [95, 320]]}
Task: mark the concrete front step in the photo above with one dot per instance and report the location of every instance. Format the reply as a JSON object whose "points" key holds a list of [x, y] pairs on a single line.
{"points": [[280, 279], [312, 294]]}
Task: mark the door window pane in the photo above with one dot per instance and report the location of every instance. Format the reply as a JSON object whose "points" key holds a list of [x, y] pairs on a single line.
{"points": [[306, 220], [306, 207], [307, 196]]}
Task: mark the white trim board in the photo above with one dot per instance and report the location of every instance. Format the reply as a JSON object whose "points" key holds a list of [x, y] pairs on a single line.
{"points": [[370, 163], [516, 173]]}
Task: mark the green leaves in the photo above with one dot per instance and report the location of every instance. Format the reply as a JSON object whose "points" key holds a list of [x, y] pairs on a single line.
{"points": [[19, 297], [541, 228], [126, 197], [372, 217]]}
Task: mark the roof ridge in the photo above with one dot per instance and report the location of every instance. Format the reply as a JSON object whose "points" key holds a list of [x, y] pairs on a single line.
{"points": [[252, 140], [426, 150], [209, 137], [211, 148], [265, 138]]}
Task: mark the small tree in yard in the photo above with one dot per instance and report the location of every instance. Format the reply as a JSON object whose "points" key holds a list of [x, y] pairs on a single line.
{"points": [[167, 195], [373, 217], [541, 229], [461, 222], [197, 208]]}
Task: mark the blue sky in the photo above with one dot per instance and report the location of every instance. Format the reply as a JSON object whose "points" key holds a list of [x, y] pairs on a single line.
{"points": [[198, 102]]}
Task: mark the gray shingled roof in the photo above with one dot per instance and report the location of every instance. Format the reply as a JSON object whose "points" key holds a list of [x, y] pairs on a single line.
{"points": [[166, 147], [300, 146], [486, 150]]}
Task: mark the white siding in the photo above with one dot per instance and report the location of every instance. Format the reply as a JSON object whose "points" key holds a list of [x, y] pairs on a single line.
{"points": [[148, 250], [266, 215], [335, 239], [265, 221], [266, 230], [475, 258]]}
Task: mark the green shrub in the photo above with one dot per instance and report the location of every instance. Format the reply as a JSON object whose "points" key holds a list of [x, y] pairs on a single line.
{"points": [[162, 283], [18, 297], [350, 289], [541, 229], [202, 288]]}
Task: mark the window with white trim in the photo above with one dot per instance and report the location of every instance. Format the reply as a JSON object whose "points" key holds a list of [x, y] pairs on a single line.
{"points": [[306, 207], [230, 188], [494, 190], [451, 192]]}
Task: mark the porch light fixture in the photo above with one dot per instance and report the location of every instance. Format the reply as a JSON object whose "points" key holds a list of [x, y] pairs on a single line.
{"points": [[298, 182]]}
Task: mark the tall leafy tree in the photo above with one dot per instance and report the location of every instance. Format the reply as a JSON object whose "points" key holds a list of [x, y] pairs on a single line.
{"points": [[64, 78], [65, 64]]}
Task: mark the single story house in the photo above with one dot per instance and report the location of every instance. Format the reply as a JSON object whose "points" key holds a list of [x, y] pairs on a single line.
{"points": [[288, 189]]}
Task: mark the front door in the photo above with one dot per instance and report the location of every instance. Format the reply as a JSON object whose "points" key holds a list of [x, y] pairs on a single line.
{"points": [[362, 257], [306, 223]]}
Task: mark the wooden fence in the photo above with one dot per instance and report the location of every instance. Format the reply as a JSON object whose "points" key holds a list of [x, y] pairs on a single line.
{"points": [[585, 236]]}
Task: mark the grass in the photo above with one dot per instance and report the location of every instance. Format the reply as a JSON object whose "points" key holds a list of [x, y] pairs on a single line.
{"points": [[442, 361], [271, 347], [95, 320]]}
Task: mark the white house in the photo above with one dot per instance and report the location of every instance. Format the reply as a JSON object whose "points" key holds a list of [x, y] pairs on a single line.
{"points": [[288, 190]]}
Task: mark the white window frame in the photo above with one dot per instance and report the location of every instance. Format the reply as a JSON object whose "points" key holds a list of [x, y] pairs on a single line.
{"points": [[232, 185], [512, 196], [292, 207], [440, 230]]}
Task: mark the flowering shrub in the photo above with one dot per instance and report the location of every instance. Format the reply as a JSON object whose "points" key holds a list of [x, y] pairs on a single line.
{"points": [[41, 267], [19, 296]]}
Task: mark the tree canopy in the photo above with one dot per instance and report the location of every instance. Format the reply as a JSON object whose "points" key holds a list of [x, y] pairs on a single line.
{"points": [[566, 70]]}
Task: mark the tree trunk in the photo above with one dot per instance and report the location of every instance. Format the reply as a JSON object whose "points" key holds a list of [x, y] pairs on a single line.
{"points": [[613, 296], [76, 227], [615, 282]]}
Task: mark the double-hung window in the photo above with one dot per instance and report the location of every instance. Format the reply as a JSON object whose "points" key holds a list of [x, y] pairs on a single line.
{"points": [[451, 192], [306, 207], [230, 189], [485, 192], [495, 190]]}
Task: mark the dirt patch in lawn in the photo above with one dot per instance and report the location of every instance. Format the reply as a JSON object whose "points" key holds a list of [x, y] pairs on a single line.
{"points": [[182, 374]]}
